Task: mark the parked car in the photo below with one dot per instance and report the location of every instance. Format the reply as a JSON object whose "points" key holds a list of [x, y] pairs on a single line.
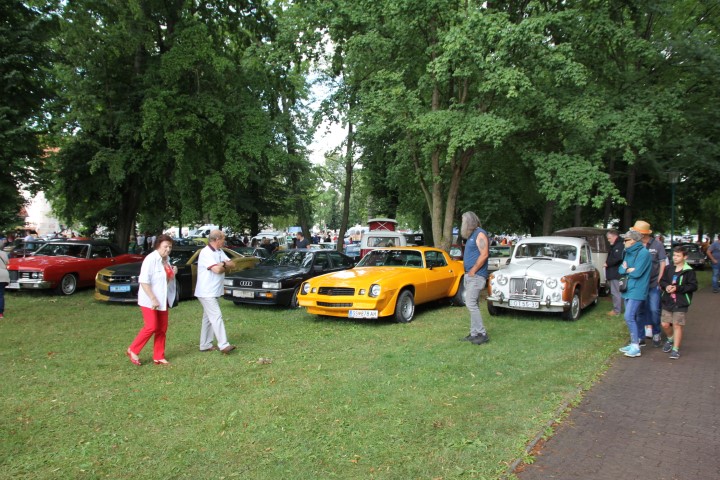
{"points": [[120, 283], [352, 250], [258, 252], [499, 256], [276, 281], [457, 251], [386, 283], [546, 274], [696, 257], [597, 239], [66, 265], [25, 248]]}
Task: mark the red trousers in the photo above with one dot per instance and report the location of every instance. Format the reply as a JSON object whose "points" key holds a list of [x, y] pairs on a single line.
{"points": [[156, 323]]}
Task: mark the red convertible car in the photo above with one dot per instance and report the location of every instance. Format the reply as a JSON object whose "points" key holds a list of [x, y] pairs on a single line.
{"points": [[65, 265]]}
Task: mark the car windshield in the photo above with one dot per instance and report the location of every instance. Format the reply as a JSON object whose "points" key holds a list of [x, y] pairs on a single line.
{"points": [[78, 250], [546, 250], [498, 251], [289, 258], [392, 258], [180, 257]]}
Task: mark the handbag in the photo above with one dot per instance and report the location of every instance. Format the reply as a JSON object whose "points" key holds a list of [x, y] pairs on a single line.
{"points": [[623, 283]]}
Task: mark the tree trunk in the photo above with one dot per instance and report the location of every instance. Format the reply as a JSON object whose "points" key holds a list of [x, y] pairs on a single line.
{"points": [[577, 221], [629, 198], [349, 162], [127, 211], [548, 217]]}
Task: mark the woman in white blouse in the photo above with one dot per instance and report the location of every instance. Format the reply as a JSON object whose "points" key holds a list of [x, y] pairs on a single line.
{"points": [[155, 297]]}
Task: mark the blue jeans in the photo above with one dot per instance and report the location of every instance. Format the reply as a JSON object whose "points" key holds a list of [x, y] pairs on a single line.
{"points": [[473, 287], [633, 319], [651, 311], [715, 275]]}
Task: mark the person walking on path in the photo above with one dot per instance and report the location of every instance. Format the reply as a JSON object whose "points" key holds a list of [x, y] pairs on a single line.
{"points": [[475, 260], [713, 253], [212, 265], [678, 285], [612, 264], [155, 297], [636, 265]]}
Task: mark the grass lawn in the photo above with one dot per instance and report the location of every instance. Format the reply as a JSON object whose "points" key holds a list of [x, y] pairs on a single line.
{"points": [[334, 399]]}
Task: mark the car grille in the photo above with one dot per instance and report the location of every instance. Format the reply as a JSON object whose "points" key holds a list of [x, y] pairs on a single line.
{"points": [[13, 275], [116, 278], [336, 291], [22, 275], [334, 305], [531, 288]]}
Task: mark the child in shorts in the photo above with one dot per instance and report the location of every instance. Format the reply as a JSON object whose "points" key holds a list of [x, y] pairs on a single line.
{"points": [[678, 284]]}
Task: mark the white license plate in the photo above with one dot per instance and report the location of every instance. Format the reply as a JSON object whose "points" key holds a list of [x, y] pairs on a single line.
{"points": [[524, 304], [119, 288], [13, 285], [243, 294], [363, 314]]}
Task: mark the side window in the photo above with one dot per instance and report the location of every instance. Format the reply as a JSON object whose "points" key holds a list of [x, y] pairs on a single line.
{"points": [[321, 260], [340, 261], [101, 251], [435, 259], [584, 255]]}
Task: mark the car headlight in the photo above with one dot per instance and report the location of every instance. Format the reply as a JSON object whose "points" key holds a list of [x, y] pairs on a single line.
{"points": [[374, 290], [306, 288], [551, 282], [36, 275], [502, 280], [134, 279], [228, 283], [271, 285]]}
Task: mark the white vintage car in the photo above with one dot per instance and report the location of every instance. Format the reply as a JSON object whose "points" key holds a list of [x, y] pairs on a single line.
{"points": [[546, 274]]}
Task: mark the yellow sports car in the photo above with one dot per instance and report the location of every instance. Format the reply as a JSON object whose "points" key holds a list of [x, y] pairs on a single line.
{"points": [[386, 282]]}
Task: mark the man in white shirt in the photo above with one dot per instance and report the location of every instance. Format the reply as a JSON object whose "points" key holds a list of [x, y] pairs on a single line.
{"points": [[212, 265]]}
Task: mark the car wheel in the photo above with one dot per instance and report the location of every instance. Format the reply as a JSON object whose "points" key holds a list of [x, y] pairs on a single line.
{"points": [[493, 310], [573, 313], [405, 307], [459, 299], [68, 284], [294, 300]]}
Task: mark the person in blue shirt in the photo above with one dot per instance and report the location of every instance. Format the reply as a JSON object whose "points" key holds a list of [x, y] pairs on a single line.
{"points": [[637, 265], [475, 260]]}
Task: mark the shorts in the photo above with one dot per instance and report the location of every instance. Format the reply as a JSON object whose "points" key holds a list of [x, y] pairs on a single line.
{"points": [[677, 318]]}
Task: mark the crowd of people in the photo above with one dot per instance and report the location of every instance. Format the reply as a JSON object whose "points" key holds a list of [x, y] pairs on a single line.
{"points": [[656, 291]]}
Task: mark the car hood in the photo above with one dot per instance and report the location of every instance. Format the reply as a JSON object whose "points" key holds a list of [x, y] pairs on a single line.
{"points": [[42, 262], [124, 269], [365, 275], [537, 268], [269, 273]]}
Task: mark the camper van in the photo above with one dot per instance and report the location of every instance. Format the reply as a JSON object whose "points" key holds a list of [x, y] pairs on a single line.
{"points": [[381, 234]]}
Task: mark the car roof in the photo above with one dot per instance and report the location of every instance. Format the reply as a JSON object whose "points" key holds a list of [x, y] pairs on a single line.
{"points": [[554, 239]]}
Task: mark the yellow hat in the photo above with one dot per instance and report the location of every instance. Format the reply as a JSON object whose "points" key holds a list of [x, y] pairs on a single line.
{"points": [[642, 227]]}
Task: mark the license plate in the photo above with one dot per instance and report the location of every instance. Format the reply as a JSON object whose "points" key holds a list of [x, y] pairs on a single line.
{"points": [[119, 288], [363, 314], [524, 304], [243, 294], [13, 285]]}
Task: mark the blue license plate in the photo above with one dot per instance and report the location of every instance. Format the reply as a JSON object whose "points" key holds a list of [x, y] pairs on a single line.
{"points": [[119, 288]]}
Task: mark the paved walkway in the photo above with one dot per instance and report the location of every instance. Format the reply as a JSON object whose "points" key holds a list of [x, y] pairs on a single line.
{"points": [[648, 418]]}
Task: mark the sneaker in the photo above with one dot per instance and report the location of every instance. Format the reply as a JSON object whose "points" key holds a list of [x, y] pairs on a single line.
{"points": [[668, 346], [633, 351], [657, 340], [480, 339], [625, 348], [642, 343], [674, 354]]}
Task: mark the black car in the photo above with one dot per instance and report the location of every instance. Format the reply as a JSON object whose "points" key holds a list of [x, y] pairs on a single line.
{"points": [[119, 283], [696, 258], [276, 281]]}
